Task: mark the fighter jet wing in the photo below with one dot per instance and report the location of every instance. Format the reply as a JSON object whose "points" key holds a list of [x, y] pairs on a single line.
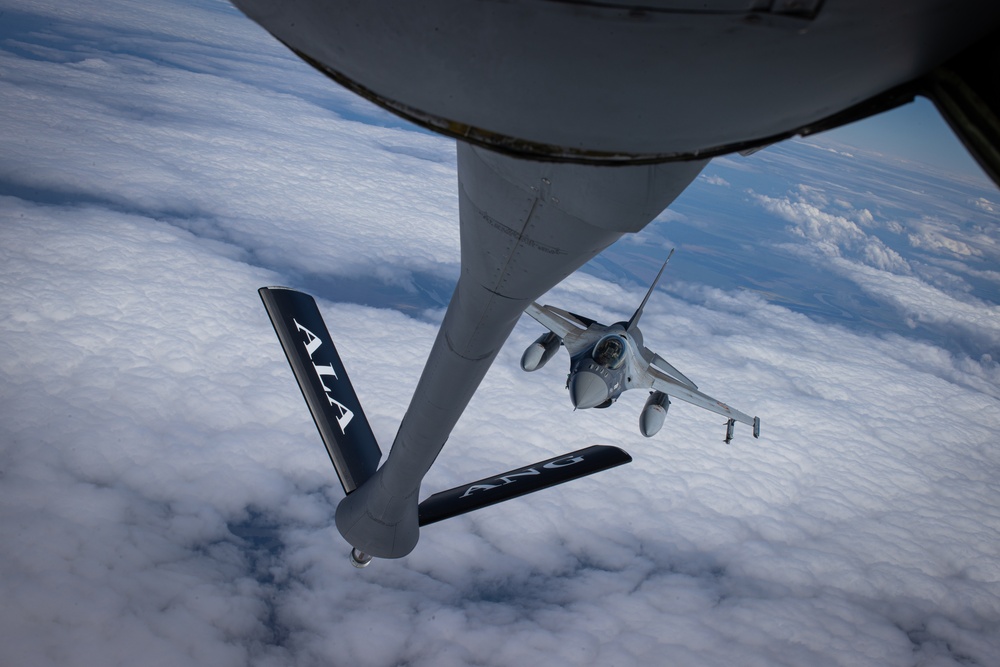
{"points": [[671, 387], [560, 322], [668, 368], [569, 327]]}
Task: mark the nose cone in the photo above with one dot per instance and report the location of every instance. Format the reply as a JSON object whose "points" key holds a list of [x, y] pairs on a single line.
{"points": [[587, 390]]}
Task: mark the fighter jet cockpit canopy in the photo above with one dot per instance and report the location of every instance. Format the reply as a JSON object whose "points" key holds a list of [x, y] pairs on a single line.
{"points": [[610, 352]]}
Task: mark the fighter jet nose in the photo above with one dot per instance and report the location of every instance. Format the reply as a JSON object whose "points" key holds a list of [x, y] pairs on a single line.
{"points": [[587, 390]]}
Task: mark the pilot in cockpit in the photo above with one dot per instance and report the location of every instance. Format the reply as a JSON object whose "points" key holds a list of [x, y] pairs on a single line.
{"points": [[610, 352]]}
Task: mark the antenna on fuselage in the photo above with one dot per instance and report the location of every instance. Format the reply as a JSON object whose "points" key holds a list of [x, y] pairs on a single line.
{"points": [[634, 320]]}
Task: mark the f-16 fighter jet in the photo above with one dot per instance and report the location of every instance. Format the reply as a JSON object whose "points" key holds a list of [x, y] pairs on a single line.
{"points": [[608, 360]]}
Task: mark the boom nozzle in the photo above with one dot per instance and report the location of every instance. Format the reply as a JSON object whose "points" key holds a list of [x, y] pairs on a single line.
{"points": [[360, 558]]}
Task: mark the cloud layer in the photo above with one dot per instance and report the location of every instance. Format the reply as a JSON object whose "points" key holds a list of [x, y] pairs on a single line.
{"points": [[166, 500]]}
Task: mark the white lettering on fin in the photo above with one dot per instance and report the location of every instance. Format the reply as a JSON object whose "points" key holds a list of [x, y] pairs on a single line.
{"points": [[312, 343], [511, 477]]}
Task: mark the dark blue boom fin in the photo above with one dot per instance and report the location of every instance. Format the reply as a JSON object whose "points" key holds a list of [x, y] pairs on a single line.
{"points": [[516, 483], [324, 383]]}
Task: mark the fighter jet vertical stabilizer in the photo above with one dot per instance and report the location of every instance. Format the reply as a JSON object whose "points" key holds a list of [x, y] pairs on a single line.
{"points": [[633, 321]]}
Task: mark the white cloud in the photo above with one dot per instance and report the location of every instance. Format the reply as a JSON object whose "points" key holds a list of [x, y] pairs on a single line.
{"points": [[834, 234], [956, 267], [926, 296], [203, 149], [935, 241], [984, 204], [165, 500]]}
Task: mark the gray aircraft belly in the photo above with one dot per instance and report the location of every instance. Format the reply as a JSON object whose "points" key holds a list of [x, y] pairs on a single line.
{"points": [[612, 81]]}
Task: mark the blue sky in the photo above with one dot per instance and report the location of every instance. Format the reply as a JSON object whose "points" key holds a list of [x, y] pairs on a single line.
{"points": [[913, 132], [164, 497]]}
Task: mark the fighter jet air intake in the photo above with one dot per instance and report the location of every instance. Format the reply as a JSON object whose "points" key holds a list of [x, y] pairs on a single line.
{"points": [[577, 123]]}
